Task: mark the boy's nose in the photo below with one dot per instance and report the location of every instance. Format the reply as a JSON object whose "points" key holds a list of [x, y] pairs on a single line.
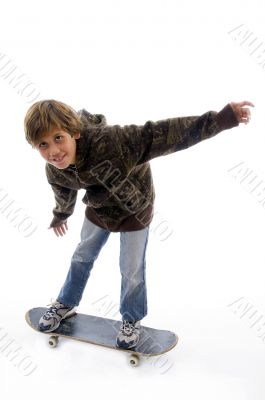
{"points": [[53, 151]]}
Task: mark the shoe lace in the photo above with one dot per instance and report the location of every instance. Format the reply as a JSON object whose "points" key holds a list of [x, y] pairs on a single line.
{"points": [[128, 327], [51, 311], [53, 307]]}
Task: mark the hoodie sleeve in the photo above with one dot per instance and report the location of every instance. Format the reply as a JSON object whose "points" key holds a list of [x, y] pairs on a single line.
{"points": [[139, 144], [65, 198]]}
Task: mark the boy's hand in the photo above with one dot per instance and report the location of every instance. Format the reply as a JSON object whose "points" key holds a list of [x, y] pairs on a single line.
{"points": [[242, 113], [59, 226]]}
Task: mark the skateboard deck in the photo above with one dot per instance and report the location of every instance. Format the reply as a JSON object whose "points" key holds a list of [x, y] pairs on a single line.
{"points": [[103, 331]]}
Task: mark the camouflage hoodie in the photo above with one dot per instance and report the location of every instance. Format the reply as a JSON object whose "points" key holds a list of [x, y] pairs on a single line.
{"points": [[112, 166]]}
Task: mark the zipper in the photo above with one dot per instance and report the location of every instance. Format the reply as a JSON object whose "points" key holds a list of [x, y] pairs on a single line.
{"points": [[74, 169]]}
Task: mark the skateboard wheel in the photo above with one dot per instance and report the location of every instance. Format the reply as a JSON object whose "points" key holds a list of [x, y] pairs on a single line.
{"points": [[53, 341], [134, 360]]}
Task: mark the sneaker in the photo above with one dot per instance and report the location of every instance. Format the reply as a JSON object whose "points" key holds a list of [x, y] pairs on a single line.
{"points": [[128, 335], [53, 316]]}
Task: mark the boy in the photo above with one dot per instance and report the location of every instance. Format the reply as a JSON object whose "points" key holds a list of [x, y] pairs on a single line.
{"points": [[112, 164]]}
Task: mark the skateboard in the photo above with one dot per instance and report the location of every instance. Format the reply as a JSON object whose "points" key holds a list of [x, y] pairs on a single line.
{"points": [[103, 331]]}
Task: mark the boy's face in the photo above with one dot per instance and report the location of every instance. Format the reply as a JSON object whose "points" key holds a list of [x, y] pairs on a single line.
{"points": [[58, 148]]}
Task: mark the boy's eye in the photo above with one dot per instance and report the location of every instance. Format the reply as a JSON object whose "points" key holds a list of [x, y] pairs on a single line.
{"points": [[57, 138]]}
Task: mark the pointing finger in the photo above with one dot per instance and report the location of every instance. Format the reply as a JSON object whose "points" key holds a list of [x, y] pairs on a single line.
{"points": [[246, 103]]}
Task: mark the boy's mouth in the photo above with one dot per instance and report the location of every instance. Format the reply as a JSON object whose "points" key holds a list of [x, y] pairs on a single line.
{"points": [[58, 160]]}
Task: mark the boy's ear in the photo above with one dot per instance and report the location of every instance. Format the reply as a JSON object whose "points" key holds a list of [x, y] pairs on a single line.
{"points": [[76, 135]]}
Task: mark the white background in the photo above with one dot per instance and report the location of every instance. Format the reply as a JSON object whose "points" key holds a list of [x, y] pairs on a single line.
{"points": [[134, 61]]}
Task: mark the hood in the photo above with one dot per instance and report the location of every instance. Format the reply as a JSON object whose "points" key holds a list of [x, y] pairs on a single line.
{"points": [[91, 120], [88, 121]]}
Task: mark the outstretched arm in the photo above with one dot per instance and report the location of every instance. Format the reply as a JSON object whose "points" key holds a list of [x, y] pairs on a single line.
{"points": [[140, 144]]}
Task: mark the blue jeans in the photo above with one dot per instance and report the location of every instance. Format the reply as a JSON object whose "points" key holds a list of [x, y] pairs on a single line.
{"points": [[133, 299]]}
